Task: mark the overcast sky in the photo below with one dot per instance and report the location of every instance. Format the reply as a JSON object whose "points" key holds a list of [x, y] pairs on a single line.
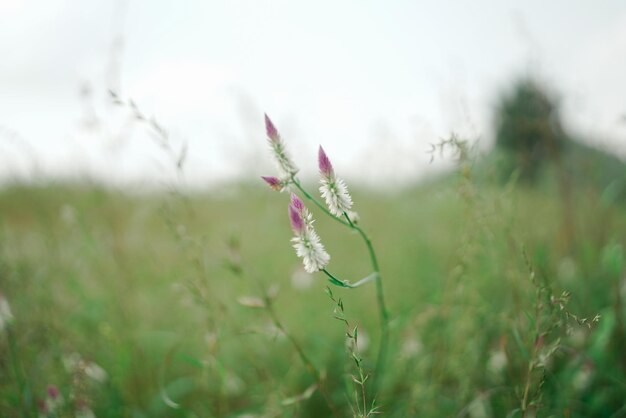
{"points": [[375, 82]]}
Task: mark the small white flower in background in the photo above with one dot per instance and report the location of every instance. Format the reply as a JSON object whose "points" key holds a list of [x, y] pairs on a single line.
{"points": [[6, 317], [85, 412], [251, 302], [306, 241], [74, 363], [411, 347], [333, 189], [71, 362], [95, 372], [582, 378], [480, 408], [68, 214], [300, 280], [233, 385], [286, 166], [497, 361]]}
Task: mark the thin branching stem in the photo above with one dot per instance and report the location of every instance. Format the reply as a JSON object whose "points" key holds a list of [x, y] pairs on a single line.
{"points": [[305, 359]]}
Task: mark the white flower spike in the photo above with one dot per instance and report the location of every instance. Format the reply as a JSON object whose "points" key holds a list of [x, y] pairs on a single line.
{"points": [[285, 164], [333, 189], [306, 242]]}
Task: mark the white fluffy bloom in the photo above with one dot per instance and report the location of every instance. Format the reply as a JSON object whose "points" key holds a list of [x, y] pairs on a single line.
{"points": [[285, 165], [310, 249], [306, 241], [335, 193], [333, 189]]}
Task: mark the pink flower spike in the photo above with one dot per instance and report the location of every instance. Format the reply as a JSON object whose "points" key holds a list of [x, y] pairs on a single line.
{"points": [[273, 182], [297, 223], [272, 132], [53, 392], [326, 168], [297, 203]]}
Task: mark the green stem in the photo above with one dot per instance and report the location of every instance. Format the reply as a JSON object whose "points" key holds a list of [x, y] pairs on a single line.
{"points": [[336, 281], [382, 309]]}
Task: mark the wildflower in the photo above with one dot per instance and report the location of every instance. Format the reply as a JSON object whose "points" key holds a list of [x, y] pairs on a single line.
{"points": [[75, 364], [497, 361], [54, 400], [6, 317], [306, 241], [275, 183], [333, 189], [275, 141], [302, 210], [95, 372]]}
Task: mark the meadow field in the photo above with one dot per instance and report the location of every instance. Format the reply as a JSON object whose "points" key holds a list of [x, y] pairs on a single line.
{"points": [[169, 251], [189, 304]]}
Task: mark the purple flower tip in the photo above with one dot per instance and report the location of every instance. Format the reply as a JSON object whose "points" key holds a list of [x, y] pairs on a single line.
{"points": [[297, 203], [273, 182], [326, 168], [297, 223], [272, 132], [53, 392]]}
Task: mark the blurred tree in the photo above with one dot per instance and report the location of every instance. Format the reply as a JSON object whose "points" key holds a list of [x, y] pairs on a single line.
{"points": [[528, 127]]}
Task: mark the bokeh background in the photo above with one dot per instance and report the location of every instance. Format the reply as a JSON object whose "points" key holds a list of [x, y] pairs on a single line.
{"points": [[377, 83], [146, 270]]}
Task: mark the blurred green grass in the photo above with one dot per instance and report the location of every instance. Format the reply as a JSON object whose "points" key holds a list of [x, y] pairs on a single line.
{"points": [[139, 284]]}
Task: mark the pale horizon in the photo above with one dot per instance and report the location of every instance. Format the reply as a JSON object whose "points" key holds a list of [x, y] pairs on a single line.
{"points": [[375, 83]]}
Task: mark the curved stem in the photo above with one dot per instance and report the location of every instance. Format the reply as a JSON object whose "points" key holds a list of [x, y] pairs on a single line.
{"points": [[382, 309]]}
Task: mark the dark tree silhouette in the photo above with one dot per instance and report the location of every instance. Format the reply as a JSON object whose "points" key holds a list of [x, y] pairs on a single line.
{"points": [[528, 127]]}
